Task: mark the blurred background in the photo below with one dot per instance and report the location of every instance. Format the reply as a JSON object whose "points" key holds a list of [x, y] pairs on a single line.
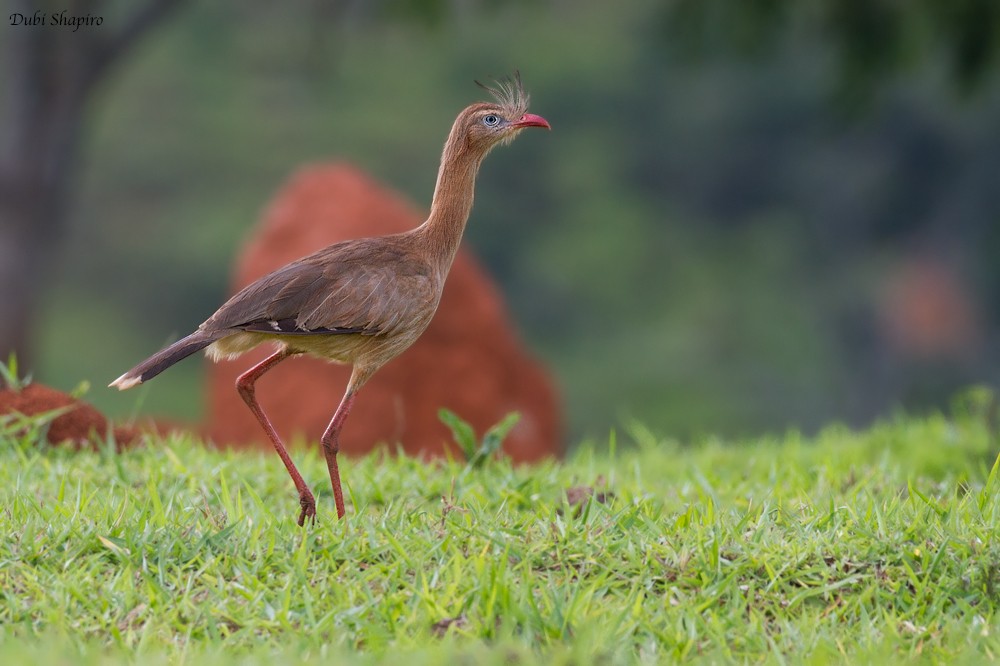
{"points": [[749, 216]]}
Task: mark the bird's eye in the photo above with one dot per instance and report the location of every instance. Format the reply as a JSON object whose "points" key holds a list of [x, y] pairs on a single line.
{"points": [[491, 120]]}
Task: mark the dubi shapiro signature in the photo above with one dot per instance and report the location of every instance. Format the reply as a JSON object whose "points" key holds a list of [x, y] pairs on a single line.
{"points": [[59, 19]]}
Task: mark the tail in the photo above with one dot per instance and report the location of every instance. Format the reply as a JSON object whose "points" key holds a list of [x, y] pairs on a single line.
{"points": [[162, 360]]}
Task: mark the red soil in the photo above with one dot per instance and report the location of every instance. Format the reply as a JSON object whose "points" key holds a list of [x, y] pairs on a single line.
{"points": [[80, 425]]}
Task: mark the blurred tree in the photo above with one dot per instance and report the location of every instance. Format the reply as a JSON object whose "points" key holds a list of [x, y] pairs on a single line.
{"points": [[875, 38], [52, 74]]}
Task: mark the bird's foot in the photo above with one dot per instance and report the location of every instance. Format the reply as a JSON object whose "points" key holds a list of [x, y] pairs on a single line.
{"points": [[308, 504]]}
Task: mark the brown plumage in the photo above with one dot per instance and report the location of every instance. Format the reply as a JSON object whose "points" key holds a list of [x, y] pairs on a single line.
{"points": [[359, 302]]}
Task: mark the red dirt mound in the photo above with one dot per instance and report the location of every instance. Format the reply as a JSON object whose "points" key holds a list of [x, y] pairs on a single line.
{"points": [[81, 425]]}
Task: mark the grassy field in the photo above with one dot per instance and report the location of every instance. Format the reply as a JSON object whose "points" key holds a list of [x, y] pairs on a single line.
{"points": [[848, 546]]}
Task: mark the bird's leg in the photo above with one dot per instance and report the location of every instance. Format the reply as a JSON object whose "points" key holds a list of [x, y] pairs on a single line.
{"points": [[245, 385], [331, 445]]}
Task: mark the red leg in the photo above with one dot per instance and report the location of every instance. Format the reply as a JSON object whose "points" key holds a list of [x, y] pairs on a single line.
{"points": [[331, 445], [245, 385]]}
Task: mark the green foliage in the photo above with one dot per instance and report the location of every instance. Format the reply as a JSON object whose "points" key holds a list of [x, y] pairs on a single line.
{"points": [[10, 377], [874, 39], [80, 390], [978, 403], [864, 547], [477, 453]]}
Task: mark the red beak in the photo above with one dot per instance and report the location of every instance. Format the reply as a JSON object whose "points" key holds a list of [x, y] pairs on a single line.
{"points": [[531, 120]]}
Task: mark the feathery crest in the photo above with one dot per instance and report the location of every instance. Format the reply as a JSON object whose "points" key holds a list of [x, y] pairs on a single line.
{"points": [[509, 93]]}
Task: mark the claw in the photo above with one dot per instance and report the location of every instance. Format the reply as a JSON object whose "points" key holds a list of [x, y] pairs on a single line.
{"points": [[308, 505]]}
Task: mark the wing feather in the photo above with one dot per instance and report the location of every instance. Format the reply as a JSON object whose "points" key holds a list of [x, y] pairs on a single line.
{"points": [[368, 286]]}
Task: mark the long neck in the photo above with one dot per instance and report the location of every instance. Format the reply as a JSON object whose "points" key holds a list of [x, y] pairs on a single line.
{"points": [[452, 203]]}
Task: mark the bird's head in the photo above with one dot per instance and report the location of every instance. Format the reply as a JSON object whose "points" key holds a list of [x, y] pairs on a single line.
{"points": [[487, 124]]}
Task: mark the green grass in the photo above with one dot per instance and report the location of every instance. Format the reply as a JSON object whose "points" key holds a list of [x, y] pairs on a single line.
{"points": [[846, 547]]}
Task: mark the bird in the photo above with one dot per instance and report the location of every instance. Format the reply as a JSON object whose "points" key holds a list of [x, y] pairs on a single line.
{"points": [[358, 302]]}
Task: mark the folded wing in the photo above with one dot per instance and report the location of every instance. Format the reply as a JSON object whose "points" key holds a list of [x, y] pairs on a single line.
{"points": [[354, 287]]}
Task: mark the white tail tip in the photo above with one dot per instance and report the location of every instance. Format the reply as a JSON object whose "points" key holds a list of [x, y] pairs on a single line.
{"points": [[125, 382]]}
